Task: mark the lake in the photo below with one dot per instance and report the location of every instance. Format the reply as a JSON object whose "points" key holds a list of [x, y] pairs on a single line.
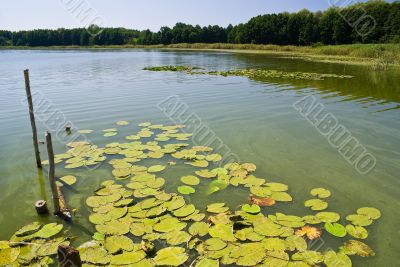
{"points": [[255, 119]]}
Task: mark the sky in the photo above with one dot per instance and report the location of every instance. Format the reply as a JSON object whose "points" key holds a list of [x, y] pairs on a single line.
{"points": [[142, 14]]}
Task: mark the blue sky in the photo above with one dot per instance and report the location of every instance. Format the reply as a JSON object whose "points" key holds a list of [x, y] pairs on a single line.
{"points": [[142, 14]]}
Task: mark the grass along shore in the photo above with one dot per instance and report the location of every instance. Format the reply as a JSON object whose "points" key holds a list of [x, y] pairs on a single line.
{"points": [[378, 56]]}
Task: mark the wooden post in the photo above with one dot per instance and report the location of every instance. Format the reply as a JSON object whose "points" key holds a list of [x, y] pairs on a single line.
{"points": [[52, 178], [68, 256], [32, 118]]}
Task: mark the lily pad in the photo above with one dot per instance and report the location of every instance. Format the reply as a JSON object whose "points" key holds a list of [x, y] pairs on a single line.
{"points": [[252, 209], [320, 192], [172, 256], [355, 247], [213, 244], [199, 228], [117, 243], [122, 123], [110, 134], [217, 208], [169, 224], [206, 262], [328, 216], [190, 180], [68, 179], [281, 196], [174, 238], [49, 230], [360, 220], [156, 168], [215, 186], [8, 256], [371, 213], [357, 231], [336, 229], [85, 131], [333, 259], [29, 229], [128, 258], [186, 190], [184, 211], [316, 204]]}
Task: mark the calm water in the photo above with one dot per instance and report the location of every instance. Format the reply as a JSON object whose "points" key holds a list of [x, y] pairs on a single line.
{"points": [[255, 119]]}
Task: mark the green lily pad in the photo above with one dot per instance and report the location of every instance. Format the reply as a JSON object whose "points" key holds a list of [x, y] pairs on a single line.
{"points": [[261, 191], [68, 179], [184, 211], [222, 231], [206, 262], [215, 186], [113, 228], [371, 213], [117, 243], [156, 168], [357, 231], [355, 247], [8, 256], [122, 123], [190, 180], [281, 196], [217, 208], [186, 190], [336, 229], [252, 209], [328, 216], [316, 204], [277, 187], [94, 255], [205, 174], [320, 192], [199, 163], [110, 134], [295, 242], [310, 257], [28, 229], [174, 238], [360, 220], [214, 244], [169, 224], [128, 257], [172, 256], [199, 228], [49, 230], [333, 259], [85, 131]]}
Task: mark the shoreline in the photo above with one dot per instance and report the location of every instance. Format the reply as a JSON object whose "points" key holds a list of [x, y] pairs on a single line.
{"points": [[377, 56]]}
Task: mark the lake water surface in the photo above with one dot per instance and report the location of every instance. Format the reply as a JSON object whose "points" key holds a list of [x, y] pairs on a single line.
{"points": [[255, 119]]}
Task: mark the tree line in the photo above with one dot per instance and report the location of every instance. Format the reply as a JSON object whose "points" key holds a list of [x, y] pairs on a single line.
{"points": [[370, 22]]}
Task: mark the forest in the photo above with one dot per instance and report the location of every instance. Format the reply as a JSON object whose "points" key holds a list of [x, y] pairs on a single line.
{"points": [[370, 22]]}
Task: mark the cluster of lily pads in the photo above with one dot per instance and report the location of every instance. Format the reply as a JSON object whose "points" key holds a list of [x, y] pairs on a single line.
{"points": [[139, 222], [32, 245], [253, 73]]}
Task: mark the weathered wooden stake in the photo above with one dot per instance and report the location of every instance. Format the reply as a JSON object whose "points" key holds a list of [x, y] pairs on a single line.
{"points": [[32, 118], [68, 256], [52, 178]]}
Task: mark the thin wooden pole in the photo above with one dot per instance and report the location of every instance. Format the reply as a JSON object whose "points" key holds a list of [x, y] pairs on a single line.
{"points": [[32, 118], [52, 178]]}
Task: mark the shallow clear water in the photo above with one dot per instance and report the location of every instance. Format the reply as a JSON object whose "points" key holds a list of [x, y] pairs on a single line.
{"points": [[255, 119]]}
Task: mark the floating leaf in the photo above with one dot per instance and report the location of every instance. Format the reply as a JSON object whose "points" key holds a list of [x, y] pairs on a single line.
{"points": [[261, 191], [277, 187], [217, 208], [216, 186], [316, 204], [68, 179], [169, 224], [357, 231], [199, 228], [109, 134], [308, 256], [213, 244], [206, 262], [252, 209], [331, 259], [360, 220], [281, 196], [85, 131], [173, 256], [355, 247], [184, 211], [190, 180], [128, 257], [94, 255], [371, 213], [262, 201], [336, 229], [320, 192], [186, 190], [122, 123], [176, 237], [116, 243], [8, 256], [328, 216], [222, 231], [156, 168], [28, 229], [49, 230]]}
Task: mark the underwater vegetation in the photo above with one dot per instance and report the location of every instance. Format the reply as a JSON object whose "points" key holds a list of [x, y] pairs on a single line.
{"points": [[138, 222]]}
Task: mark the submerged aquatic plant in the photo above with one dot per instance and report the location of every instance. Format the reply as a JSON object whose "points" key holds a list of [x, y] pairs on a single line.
{"points": [[134, 210]]}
